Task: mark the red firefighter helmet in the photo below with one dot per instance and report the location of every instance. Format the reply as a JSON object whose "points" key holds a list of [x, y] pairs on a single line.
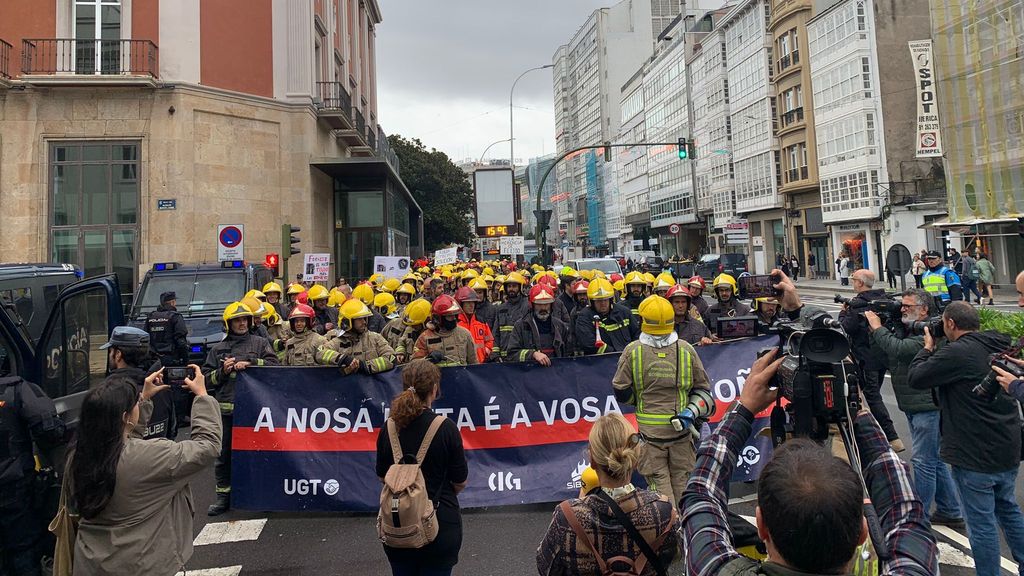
{"points": [[301, 311], [580, 287], [615, 278], [445, 305], [542, 294], [303, 298], [677, 290], [549, 280], [466, 294], [696, 281]]}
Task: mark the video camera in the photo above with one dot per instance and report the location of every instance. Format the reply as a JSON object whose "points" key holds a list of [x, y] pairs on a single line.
{"points": [[816, 377], [988, 389], [889, 310], [934, 326]]}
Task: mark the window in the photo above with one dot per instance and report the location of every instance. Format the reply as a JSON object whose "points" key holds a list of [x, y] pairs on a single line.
{"points": [[847, 138], [844, 84], [850, 191], [94, 205], [840, 27], [97, 36]]}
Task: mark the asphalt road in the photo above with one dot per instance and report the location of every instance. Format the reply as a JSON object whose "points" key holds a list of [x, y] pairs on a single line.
{"points": [[499, 540]]}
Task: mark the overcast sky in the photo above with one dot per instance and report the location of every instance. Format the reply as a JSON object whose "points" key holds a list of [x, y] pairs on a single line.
{"points": [[445, 68]]}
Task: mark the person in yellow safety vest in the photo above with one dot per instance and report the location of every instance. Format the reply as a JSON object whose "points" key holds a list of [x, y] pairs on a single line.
{"points": [[237, 351], [276, 328], [604, 326], [275, 296], [414, 321], [663, 377], [301, 346], [444, 342], [356, 348], [939, 281], [508, 313], [635, 286]]}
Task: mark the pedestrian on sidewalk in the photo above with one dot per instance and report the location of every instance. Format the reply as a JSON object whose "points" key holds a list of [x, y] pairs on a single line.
{"points": [[843, 268], [917, 269], [812, 267], [969, 278], [986, 275], [794, 264]]}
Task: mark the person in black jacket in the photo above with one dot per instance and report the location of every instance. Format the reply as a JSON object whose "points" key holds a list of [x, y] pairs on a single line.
{"points": [[168, 334], [129, 355], [540, 335], [981, 437], [871, 363], [26, 415], [444, 468], [615, 322]]}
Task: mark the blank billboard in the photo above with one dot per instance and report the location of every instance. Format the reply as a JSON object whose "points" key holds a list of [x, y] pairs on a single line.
{"points": [[495, 203]]}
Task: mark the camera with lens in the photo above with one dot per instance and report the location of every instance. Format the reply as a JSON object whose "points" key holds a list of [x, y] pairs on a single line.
{"points": [[176, 375], [816, 376], [888, 309], [988, 389], [934, 326]]}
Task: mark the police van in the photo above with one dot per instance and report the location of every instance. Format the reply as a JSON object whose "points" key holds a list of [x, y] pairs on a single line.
{"points": [[52, 324], [203, 291]]}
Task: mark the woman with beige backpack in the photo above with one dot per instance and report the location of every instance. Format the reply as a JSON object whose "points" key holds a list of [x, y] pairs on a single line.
{"points": [[422, 464]]}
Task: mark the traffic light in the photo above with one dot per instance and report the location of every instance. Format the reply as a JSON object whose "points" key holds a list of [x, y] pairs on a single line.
{"points": [[288, 241], [272, 261], [607, 151], [684, 149]]}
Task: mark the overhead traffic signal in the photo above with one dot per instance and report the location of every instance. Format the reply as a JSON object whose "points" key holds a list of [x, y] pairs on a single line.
{"points": [[288, 241], [607, 151], [684, 149]]}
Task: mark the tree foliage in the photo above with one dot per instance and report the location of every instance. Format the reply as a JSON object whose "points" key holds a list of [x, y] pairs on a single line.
{"points": [[441, 189]]}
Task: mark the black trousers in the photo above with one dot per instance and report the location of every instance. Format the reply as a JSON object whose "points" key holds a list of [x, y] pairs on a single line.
{"points": [[222, 468], [20, 530], [871, 386]]}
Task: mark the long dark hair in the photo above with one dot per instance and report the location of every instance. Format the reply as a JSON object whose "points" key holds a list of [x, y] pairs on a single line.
{"points": [[419, 378], [98, 443]]}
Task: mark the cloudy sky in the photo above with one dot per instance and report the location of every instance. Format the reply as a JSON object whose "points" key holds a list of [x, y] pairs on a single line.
{"points": [[445, 68]]}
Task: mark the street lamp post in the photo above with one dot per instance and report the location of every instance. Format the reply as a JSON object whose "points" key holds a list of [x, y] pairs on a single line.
{"points": [[481, 161], [511, 142]]}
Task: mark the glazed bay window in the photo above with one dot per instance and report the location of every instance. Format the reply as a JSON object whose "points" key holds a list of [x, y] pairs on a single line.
{"points": [[94, 208]]}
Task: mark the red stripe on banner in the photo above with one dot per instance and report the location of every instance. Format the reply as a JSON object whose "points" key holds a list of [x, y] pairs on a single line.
{"points": [[538, 433]]}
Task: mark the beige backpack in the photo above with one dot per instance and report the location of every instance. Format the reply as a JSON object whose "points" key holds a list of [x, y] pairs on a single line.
{"points": [[407, 517]]}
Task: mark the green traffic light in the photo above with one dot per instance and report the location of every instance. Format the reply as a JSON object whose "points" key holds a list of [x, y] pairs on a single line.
{"points": [[683, 155]]}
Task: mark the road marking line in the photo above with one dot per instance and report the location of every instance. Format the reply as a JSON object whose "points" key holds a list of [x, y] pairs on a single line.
{"points": [[228, 571], [235, 531], [953, 556], [747, 498], [962, 540]]}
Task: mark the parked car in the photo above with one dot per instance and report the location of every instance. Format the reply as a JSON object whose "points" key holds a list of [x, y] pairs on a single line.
{"points": [[711, 265], [682, 270], [606, 265], [203, 290]]}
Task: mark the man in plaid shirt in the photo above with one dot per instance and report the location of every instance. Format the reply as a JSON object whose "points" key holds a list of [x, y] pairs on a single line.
{"points": [[809, 503]]}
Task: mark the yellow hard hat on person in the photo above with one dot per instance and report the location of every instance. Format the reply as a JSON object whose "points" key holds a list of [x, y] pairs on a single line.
{"points": [[254, 305], [588, 481], [634, 278], [587, 275], [764, 300], [390, 285], [536, 277], [619, 285], [600, 274], [296, 289], [488, 271], [479, 284], [317, 292], [664, 278], [470, 274], [416, 312], [487, 278], [657, 315], [364, 293], [724, 280], [568, 274], [271, 317], [353, 309], [376, 279], [410, 277], [272, 287], [254, 293], [500, 279], [385, 300], [336, 299], [599, 289], [648, 278], [236, 310], [406, 288], [515, 277]]}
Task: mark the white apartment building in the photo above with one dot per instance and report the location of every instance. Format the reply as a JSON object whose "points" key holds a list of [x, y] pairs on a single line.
{"points": [[588, 74], [755, 150], [632, 169], [848, 112]]}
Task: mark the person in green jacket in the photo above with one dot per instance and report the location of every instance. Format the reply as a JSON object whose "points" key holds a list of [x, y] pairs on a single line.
{"points": [[932, 478], [986, 276]]}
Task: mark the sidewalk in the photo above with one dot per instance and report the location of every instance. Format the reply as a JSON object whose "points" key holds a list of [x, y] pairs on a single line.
{"points": [[1002, 295]]}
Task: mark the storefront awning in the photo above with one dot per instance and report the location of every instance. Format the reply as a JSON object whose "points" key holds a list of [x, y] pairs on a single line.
{"points": [[967, 223], [361, 167]]}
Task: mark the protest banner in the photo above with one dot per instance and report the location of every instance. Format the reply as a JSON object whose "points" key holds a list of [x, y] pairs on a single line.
{"points": [[306, 438]]}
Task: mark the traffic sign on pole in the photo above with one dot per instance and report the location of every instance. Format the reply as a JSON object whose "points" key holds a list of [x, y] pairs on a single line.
{"points": [[674, 228], [230, 242]]}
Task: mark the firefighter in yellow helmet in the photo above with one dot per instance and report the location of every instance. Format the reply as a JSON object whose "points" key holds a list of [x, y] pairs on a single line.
{"points": [[294, 291], [603, 326], [326, 317], [276, 327], [405, 294], [254, 293], [635, 288], [414, 320], [512, 310], [258, 310], [356, 348], [237, 351], [275, 297], [662, 283], [726, 305], [485, 310], [663, 377], [364, 292], [390, 285], [336, 298], [385, 305]]}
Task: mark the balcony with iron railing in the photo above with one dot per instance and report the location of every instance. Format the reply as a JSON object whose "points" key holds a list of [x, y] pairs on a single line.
{"points": [[335, 105], [58, 61], [5, 61]]}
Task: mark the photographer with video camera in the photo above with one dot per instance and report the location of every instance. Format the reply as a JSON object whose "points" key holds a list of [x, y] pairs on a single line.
{"points": [[981, 433], [871, 365], [932, 479], [810, 504], [1011, 375]]}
